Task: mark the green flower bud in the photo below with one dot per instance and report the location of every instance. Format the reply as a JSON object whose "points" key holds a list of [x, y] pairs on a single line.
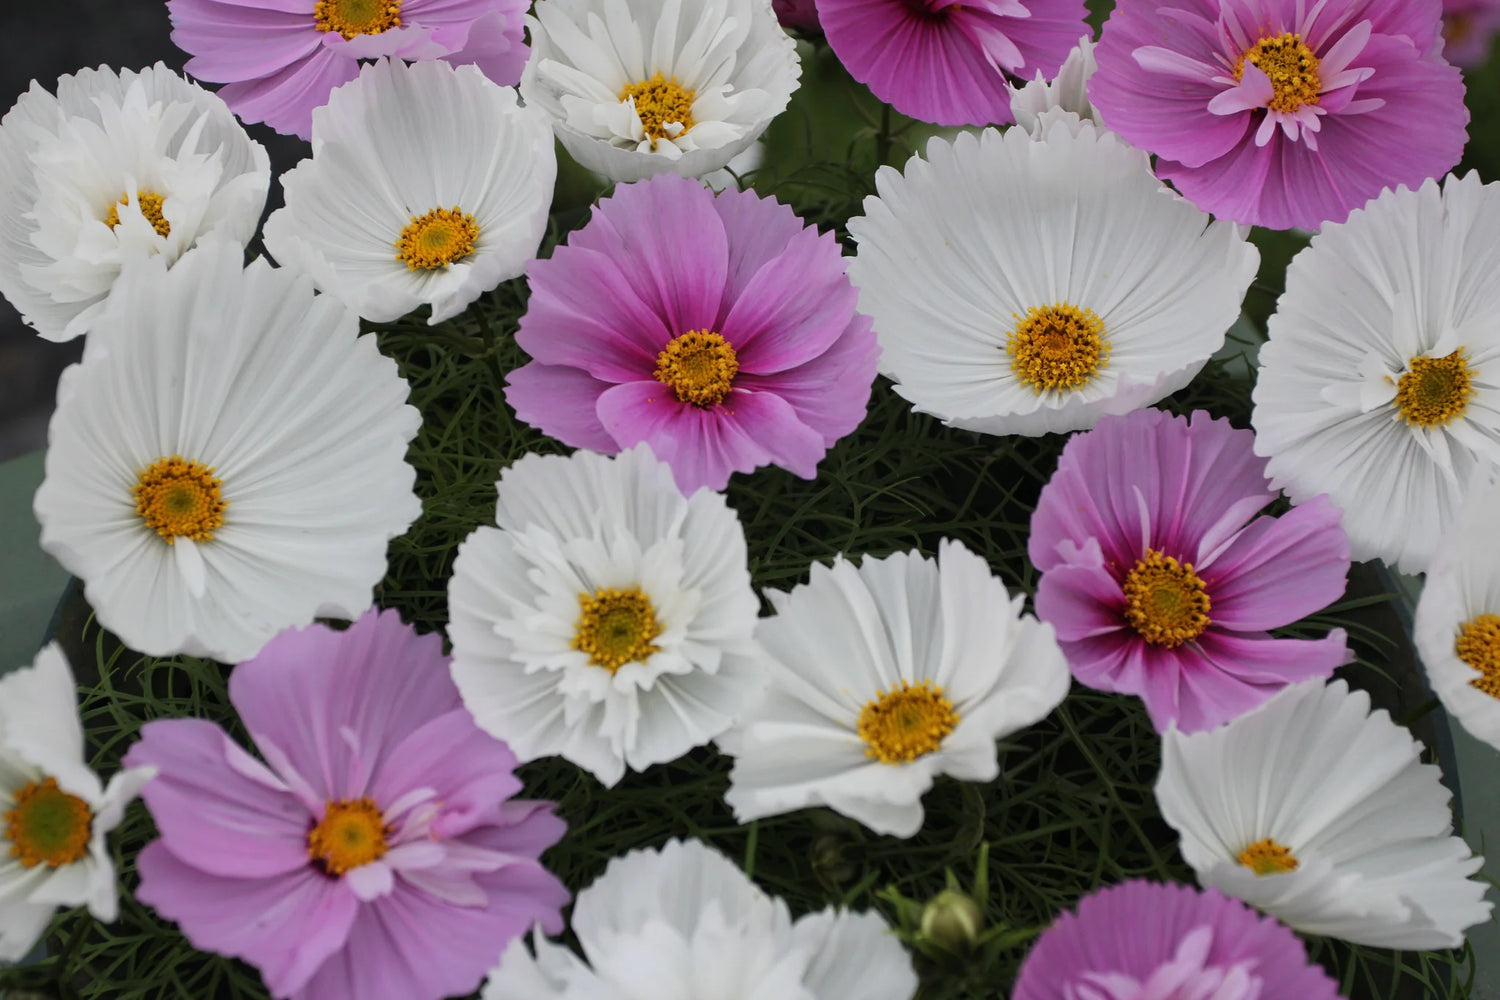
{"points": [[952, 920]]}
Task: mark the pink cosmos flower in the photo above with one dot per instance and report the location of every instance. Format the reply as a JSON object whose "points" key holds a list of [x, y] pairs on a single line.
{"points": [[717, 329], [1469, 30], [1156, 584], [946, 61], [1282, 113], [1145, 940], [379, 856], [279, 59]]}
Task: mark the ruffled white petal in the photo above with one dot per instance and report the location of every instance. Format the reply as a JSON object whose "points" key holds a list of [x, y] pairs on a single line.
{"points": [[1067, 91]]}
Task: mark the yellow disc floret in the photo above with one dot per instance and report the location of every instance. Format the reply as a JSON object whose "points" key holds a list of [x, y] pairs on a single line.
{"points": [[352, 18], [699, 366], [615, 627], [661, 102], [1060, 346], [441, 237], [352, 833], [178, 497], [1292, 67], [1478, 645], [150, 205], [908, 721], [1165, 601], [1267, 857], [1435, 391], [47, 826]]}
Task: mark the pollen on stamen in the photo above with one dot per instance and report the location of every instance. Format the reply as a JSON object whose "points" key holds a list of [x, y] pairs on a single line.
{"points": [[1291, 66], [352, 833], [1060, 346], [910, 720], [1165, 601], [699, 366], [661, 102], [150, 204], [437, 239], [1478, 645], [1435, 391], [1267, 857], [47, 826], [178, 497], [352, 18], [616, 626]]}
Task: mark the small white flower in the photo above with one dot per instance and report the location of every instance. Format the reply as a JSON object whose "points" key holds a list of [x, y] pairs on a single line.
{"points": [[54, 811], [640, 87], [1379, 383], [428, 184], [608, 619], [1027, 285], [685, 922], [1458, 617], [114, 169], [228, 459], [885, 676], [1322, 814], [1066, 91]]}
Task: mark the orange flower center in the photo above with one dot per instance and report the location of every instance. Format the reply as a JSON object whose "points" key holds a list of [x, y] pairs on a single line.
{"points": [[352, 18], [47, 826], [1165, 601], [1292, 67], [351, 834]]}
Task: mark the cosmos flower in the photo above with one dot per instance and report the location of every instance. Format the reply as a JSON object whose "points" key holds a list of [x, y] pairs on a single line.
{"points": [[1282, 113], [1379, 384], [1068, 90], [683, 921], [1319, 812], [54, 810], [1162, 582], [377, 853], [884, 676], [642, 87], [1144, 940], [116, 168], [227, 461], [280, 59], [399, 207], [719, 330]]}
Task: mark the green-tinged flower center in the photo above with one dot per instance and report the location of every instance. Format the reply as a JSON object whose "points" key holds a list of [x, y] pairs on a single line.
{"points": [[1059, 346], [699, 366], [1267, 857], [352, 18], [1478, 645], [47, 826], [902, 724], [1435, 391], [661, 102], [179, 497], [441, 237], [150, 204], [616, 627], [1292, 67], [352, 833], [1165, 601]]}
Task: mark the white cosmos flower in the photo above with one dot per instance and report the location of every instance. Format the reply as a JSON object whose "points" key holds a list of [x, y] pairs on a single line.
{"points": [[608, 618], [685, 922], [1458, 617], [428, 183], [54, 811], [117, 167], [1380, 381], [228, 459], [1067, 91], [1027, 286], [640, 87], [1322, 814], [885, 676]]}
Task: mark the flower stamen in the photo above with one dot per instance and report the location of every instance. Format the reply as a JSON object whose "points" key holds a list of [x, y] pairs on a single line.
{"points": [[1165, 601], [441, 237], [1267, 857], [1291, 66], [47, 826], [1478, 645], [179, 497], [908, 721], [1435, 391], [615, 627], [352, 18], [661, 102], [1059, 346], [150, 203], [351, 833], [699, 366]]}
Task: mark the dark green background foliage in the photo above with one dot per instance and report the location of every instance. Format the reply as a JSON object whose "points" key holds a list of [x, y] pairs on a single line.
{"points": [[1072, 809]]}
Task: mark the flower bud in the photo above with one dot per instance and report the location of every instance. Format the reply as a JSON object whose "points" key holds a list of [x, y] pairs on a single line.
{"points": [[952, 919]]}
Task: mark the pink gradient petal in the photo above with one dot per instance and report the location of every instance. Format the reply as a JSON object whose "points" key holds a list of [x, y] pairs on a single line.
{"points": [[762, 228], [215, 813], [771, 332], [285, 100], [832, 393], [561, 401], [468, 769], [1081, 602], [1225, 675], [287, 926], [1278, 570]]}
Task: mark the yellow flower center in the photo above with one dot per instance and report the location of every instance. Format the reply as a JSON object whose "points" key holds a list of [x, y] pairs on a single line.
{"points": [[1267, 857], [47, 826], [352, 18], [908, 721], [661, 102], [437, 239], [1165, 601], [1435, 391], [351, 834], [1057, 347], [176, 496], [150, 204], [615, 627], [1292, 67], [1478, 645], [699, 366]]}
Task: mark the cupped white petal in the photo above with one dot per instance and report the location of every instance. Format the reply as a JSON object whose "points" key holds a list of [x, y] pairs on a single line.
{"points": [[1066, 91], [956, 252], [854, 955], [1369, 852]]}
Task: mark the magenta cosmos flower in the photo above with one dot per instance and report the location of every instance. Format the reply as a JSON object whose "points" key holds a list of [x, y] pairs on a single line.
{"points": [[946, 61], [1158, 587], [379, 856], [717, 329], [1152, 941], [1282, 113], [1469, 30], [279, 59]]}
